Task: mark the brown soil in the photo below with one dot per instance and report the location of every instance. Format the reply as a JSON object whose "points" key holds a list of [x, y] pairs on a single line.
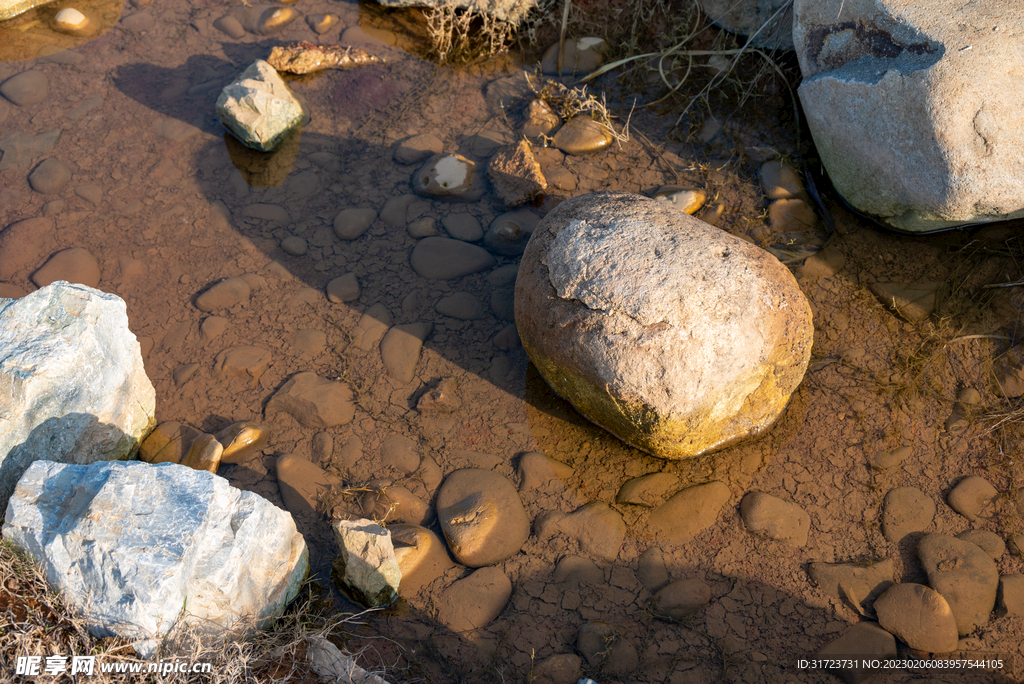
{"points": [[150, 140]]}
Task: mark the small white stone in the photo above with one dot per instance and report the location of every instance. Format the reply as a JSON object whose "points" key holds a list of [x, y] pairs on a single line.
{"points": [[70, 18]]}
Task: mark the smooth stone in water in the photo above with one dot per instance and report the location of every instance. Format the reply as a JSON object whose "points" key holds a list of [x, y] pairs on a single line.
{"points": [[49, 177], [774, 518], [371, 327], [680, 600], [449, 176], [75, 265], [787, 215], [224, 294], [294, 245], [863, 641], [258, 108], [400, 453], [576, 570], [690, 511], [205, 453], [918, 616], [241, 440], [482, 517], [989, 542], [343, 289], [243, 361], [394, 503], [314, 402], [540, 119], [439, 258], [859, 584], [582, 135], [474, 602], [70, 20], [509, 233], [400, 350], [974, 497], [647, 490], [321, 23], [536, 470], [417, 148], [395, 211], [230, 26], [351, 223], [461, 305], [779, 180], [213, 327], [184, 373], [596, 527], [267, 212], [424, 227], [26, 89], [906, 510], [516, 175], [579, 56], [463, 227]]}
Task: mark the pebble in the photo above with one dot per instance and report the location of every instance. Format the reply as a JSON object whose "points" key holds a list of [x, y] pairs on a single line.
{"points": [[349, 224], [509, 233], [415, 149], [482, 517], [321, 23], [918, 616], [294, 245], [771, 517], [21, 149], [204, 453], [257, 282], [536, 470], [969, 396], [787, 215], [964, 575], [439, 258], [49, 177], [474, 602], [1011, 595], [309, 342], [267, 19], [371, 327], [400, 453], [183, 374], [168, 443], [507, 338], [395, 211], [400, 350], [230, 26], [578, 56], [449, 176], [712, 214], [26, 89], [906, 510], [503, 304], [424, 227], [651, 570], [686, 200], [891, 459], [690, 511], [461, 305], [597, 528], [267, 212], [562, 668], [213, 327], [75, 265], [463, 227], [302, 483], [647, 490], [576, 570], [864, 640], [444, 398], [858, 584], [824, 264], [343, 289], [516, 175], [242, 440], [224, 294], [242, 362], [70, 20], [540, 119], [90, 193], [974, 497], [314, 402], [601, 646], [989, 542], [395, 503], [681, 600], [582, 135], [779, 180], [139, 22], [422, 557], [914, 302], [503, 275]]}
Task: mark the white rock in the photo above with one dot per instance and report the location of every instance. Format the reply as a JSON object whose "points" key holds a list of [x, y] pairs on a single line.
{"points": [[137, 547], [258, 108], [366, 568], [917, 118], [331, 663], [70, 18], [72, 385], [682, 339]]}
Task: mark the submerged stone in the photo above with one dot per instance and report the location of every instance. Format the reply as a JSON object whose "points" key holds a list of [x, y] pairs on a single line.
{"points": [[258, 108]]}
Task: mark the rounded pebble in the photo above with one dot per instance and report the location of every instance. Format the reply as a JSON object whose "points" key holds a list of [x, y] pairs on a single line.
{"points": [[989, 542], [906, 510], [230, 26], [26, 89], [509, 233], [482, 517], [461, 305], [440, 258], [417, 148], [463, 227], [75, 265], [475, 601], [449, 176], [224, 295], [422, 557], [974, 497], [351, 223], [680, 600], [964, 575], [294, 245], [774, 518], [918, 616], [302, 484], [213, 327], [582, 135], [70, 20], [343, 289], [49, 177]]}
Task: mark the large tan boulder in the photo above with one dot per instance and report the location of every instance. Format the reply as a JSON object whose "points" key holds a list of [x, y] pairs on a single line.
{"points": [[917, 117], [674, 336]]}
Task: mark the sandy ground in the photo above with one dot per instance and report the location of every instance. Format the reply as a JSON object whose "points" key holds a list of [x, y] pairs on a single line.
{"points": [[135, 112]]}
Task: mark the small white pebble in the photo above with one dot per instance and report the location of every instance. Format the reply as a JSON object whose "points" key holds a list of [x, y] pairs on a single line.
{"points": [[70, 18]]}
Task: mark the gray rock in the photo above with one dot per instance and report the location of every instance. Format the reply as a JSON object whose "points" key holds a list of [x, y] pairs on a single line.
{"points": [[597, 528], [258, 108], [440, 258], [857, 583], [50, 176], [642, 358], [906, 510], [366, 569], [965, 575], [474, 602], [690, 511], [314, 402], [913, 114], [681, 600], [974, 497], [328, 661], [774, 518], [767, 23], [27, 88], [918, 616], [482, 517], [463, 227], [864, 640], [349, 224], [73, 388], [194, 541]]}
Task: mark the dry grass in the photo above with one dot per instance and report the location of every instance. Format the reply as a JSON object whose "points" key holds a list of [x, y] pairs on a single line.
{"points": [[36, 621], [459, 36]]}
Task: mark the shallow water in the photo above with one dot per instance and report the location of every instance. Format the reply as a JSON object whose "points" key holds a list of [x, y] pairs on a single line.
{"points": [[169, 203]]}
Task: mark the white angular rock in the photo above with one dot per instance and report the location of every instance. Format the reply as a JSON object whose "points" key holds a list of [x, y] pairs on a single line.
{"points": [[72, 385], [258, 108], [366, 568], [917, 118], [334, 665], [674, 336], [138, 547]]}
